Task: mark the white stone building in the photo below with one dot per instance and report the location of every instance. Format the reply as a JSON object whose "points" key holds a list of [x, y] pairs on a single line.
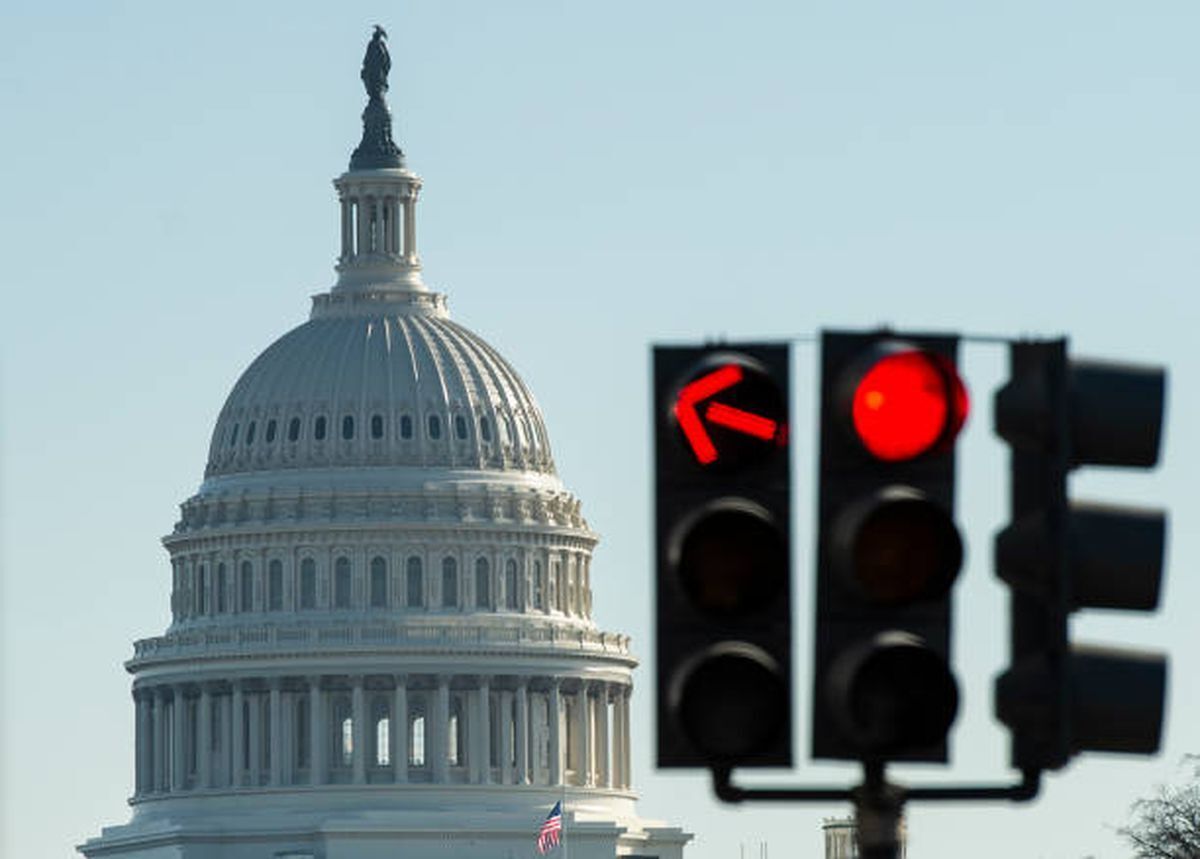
{"points": [[381, 640]]}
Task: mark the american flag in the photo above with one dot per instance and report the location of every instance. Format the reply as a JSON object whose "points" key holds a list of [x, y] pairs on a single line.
{"points": [[551, 831]]}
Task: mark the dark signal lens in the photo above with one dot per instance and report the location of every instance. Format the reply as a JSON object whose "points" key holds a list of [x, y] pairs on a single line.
{"points": [[906, 404]]}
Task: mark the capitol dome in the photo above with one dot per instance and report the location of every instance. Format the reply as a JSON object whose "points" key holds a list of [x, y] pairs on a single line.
{"points": [[391, 384], [381, 638]]}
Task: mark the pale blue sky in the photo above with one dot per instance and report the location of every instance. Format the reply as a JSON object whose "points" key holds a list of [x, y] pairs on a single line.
{"points": [[597, 177]]}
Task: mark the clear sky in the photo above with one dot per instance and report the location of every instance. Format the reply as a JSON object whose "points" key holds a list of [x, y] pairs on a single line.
{"points": [[597, 177]]}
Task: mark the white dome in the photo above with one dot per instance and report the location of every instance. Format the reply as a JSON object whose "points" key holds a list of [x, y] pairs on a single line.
{"points": [[381, 382]]}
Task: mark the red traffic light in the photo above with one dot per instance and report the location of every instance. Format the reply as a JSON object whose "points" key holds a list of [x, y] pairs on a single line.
{"points": [[730, 412], [906, 402]]}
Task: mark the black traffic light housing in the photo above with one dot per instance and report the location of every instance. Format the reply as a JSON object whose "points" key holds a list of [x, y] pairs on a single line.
{"points": [[888, 551], [1059, 698], [723, 555]]}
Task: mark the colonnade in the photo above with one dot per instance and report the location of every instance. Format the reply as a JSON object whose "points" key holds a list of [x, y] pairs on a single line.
{"points": [[382, 224], [279, 731]]}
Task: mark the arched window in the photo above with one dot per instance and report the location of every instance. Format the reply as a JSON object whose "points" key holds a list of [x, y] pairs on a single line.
{"points": [[271, 426], [378, 583], [233, 437], [247, 594], [347, 757], [275, 586], [341, 583], [454, 746], [222, 583], [202, 590], [460, 427], [485, 429], [539, 601], [376, 426], [556, 588], [406, 426], [483, 584], [250, 433], [510, 584], [435, 427], [416, 742], [348, 427], [414, 583], [308, 583], [319, 429], [301, 732], [449, 582], [294, 429], [381, 719]]}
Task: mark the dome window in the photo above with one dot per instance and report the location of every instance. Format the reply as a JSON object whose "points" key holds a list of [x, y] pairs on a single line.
{"points": [[247, 589], [379, 583], [538, 601], [406, 428], [483, 584], [271, 427], [222, 583], [341, 583], [275, 586], [376, 426], [435, 427], [294, 429], [510, 584], [319, 429], [233, 436], [348, 427], [460, 427], [414, 583], [250, 433], [485, 429], [308, 584], [449, 583]]}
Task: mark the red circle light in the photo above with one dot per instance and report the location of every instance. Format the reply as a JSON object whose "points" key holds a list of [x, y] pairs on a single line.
{"points": [[908, 403]]}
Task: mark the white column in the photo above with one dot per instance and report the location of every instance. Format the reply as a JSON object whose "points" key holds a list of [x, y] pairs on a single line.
{"points": [[204, 737], [484, 731], [394, 225], [347, 227], [178, 764], [506, 737], [141, 736], [316, 732], [554, 717], [364, 226], [227, 766], [255, 738], [626, 736], [276, 728], [603, 769], [359, 734], [584, 723], [437, 746], [287, 737], [399, 729], [238, 725], [522, 733], [159, 762], [410, 227]]}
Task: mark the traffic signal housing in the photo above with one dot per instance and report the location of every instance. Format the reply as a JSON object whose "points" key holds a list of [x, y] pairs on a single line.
{"points": [[1059, 698], [723, 555], [888, 551]]}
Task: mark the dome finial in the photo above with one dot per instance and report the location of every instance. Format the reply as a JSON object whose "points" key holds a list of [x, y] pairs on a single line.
{"points": [[377, 150]]}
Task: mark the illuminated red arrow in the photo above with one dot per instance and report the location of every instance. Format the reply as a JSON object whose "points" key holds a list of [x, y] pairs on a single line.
{"points": [[717, 413]]}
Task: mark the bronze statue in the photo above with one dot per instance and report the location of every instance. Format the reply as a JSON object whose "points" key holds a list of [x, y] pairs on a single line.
{"points": [[376, 65]]}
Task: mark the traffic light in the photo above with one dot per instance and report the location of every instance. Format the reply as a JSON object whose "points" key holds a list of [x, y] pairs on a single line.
{"points": [[1057, 556], [723, 595], [888, 551]]}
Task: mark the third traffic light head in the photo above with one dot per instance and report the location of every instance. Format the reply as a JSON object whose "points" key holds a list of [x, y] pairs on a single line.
{"points": [[888, 551]]}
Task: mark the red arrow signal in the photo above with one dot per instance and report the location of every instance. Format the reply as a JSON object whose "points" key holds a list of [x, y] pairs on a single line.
{"points": [[720, 414]]}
